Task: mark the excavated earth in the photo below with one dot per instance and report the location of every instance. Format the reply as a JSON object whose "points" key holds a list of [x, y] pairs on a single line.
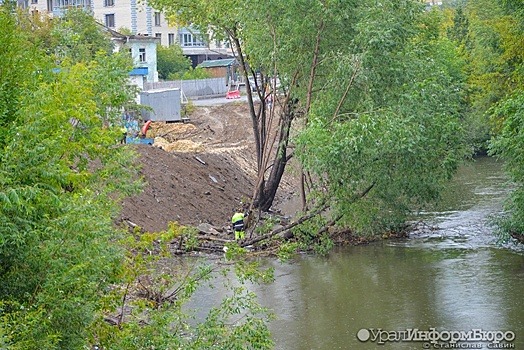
{"points": [[199, 171]]}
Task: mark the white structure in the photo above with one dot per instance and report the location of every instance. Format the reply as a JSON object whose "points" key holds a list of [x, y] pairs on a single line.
{"points": [[143, 50], [165, 105], [140, 19]]}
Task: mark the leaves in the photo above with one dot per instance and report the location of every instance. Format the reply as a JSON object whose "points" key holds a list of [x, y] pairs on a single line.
{"points": [[171, 61], [387, 120], [56, 251]]}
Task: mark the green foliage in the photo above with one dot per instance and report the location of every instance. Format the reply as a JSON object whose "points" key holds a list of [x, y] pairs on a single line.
{"points": [[190, 74], [266, 226], [78, 37], [250, 333], [60, 175], [171, 61], [246, 269], [311, 236], [490, 35], [386, 136], [459, 31], [151, 310], [187, 235], [18, 57], [490, 39], [125, 31], [59, 180], [509, 144], [173, 65], [287, 250], [188, 108]]}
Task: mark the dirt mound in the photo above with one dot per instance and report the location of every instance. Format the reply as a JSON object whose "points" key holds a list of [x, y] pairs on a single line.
{"points": [[188, 188], [201, 173], [178, 146]]}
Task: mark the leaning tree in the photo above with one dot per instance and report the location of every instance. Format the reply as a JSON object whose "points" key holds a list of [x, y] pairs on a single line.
{"points": [[278, 46], [377, 88]]}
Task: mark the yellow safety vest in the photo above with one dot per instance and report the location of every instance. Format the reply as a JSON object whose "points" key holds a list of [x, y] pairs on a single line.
{"points": [[237, 217]]}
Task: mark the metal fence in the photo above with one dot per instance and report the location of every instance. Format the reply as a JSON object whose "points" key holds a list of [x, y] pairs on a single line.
{"points": [[193, 88]]}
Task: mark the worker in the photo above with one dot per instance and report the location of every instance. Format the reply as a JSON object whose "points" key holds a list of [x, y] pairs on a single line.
{"points": [[238, 225], [123, 130]]}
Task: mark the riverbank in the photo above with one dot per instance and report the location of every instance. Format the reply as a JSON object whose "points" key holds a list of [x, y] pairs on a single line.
{"points": [[450, 275], [199, 173]]}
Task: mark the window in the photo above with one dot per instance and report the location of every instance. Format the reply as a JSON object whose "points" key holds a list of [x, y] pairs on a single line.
{"points": [[188, 39], [142, 54], [34, 1], [171, 39], [159, 36], [109, 3], [110, 20], [157, 19], [71, 3]]}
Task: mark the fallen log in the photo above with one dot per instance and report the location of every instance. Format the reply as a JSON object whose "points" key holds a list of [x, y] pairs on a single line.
{"points": [[284, 228], [209, 238]]}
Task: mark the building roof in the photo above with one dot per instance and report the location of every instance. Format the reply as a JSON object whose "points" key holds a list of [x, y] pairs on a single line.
{"points": [[226, 62], [126, 38]]}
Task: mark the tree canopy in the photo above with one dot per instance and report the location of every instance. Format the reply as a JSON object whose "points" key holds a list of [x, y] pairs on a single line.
{"points": [[66, 267], [373, 91], [171, 61], [56, 230]]}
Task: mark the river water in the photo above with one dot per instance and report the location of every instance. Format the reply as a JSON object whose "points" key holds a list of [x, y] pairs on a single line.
{"points": [[451, 276]]}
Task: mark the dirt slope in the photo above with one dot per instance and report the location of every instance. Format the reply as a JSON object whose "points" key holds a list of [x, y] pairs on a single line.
{"points": [[180, 187]]}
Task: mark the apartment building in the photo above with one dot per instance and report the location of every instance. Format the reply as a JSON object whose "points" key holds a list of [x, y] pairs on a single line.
{"points": [[138, 18]]}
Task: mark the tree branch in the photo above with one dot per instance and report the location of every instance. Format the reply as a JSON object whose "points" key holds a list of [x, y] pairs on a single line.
{"points": [[350, 84], [285, 228]]}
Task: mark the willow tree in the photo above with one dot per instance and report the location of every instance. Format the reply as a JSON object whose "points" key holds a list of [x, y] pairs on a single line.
{"points": [[507, 113], [278, 45], [387, 135], [377, 90]]}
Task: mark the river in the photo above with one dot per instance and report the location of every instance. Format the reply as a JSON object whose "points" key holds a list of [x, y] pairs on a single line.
{"points": [[451, 276]]}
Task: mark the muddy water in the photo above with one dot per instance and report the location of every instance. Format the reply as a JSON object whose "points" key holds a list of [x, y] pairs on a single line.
{"points": [[452, 276]]}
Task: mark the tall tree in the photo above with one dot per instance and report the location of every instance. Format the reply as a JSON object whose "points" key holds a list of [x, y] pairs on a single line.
{"points": [[508, 116], [257, 31], [171, 60], [56, 230], [494, 54], [351, 69], [77, 37], [386, 136]]}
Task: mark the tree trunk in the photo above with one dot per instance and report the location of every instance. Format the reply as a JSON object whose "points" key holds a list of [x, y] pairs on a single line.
{"points": [[267, 190]]}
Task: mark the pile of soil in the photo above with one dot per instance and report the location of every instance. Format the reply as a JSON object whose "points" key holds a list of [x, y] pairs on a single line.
{"points": [[200, 171]]}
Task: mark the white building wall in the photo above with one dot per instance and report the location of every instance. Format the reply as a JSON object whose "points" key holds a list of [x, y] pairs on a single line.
{"points": [[137, 17], [134, 15]]}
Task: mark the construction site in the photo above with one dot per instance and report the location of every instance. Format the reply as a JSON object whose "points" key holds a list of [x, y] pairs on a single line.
{"points": [[199, 171]]}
